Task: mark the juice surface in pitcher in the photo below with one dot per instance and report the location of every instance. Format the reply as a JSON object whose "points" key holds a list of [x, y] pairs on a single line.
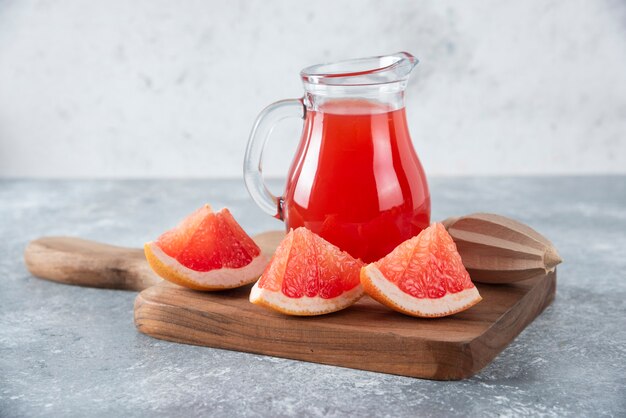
{"points": [[356, 180]]}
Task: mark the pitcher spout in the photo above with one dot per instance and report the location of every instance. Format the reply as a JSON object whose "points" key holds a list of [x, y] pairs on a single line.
{"points": [[394, 68], [405, 64]]}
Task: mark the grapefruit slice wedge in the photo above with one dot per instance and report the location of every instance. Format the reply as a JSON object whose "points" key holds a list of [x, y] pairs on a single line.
{"points": [[424, 277], [206, 251], [308, 276]]}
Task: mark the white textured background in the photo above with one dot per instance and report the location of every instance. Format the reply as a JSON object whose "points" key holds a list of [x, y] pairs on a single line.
{"points": [[149, 88]]}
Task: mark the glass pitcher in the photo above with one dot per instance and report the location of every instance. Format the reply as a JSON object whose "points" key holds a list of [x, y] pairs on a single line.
{"points": [[355, 179]]}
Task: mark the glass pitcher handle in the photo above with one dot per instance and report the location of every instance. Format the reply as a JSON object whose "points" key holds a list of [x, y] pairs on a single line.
{"points": [[253, 161]]}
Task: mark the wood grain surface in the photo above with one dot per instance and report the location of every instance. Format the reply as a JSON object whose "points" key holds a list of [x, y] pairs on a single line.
{"points": [[366, 336]]}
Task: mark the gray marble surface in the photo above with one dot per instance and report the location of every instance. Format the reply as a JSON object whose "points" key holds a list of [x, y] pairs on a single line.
{"points": [[70, 351]]}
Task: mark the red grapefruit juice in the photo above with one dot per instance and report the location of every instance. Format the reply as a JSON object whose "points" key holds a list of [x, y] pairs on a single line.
{"points": [[356, 179]]}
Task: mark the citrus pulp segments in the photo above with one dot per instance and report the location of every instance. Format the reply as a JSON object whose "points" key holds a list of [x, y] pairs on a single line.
{"points": [[387, 293], [218, 242], [173, 241], [308, 276], [206, 251], [423, 276], [224, 278]]}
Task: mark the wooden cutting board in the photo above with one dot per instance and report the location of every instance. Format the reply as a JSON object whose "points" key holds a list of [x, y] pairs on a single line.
{"points": [[366, 336]]}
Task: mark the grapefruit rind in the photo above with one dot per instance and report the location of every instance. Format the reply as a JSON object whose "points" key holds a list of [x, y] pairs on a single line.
{"points": [[387, 293], [305, 305], [224, 278]]}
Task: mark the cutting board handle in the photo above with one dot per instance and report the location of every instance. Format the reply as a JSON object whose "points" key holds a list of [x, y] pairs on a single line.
{"points": [[82, 262]]}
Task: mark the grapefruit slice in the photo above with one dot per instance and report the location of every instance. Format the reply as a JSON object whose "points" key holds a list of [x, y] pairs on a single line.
{"points": [[308, 276], [206, 251], [424, 277]]}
